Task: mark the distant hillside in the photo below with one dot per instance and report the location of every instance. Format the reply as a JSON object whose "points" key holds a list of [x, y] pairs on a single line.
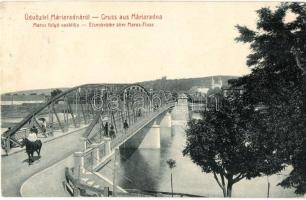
{"points": [[37, 92], [28, 95], [164, 84], [184, 84]]}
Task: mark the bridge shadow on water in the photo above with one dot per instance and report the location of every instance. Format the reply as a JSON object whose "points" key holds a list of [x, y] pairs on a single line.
{"points": [[144, 168], [142, 174]]}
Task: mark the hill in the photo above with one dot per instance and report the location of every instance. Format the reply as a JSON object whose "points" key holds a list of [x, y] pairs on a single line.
{"points": [[27, 95], [185, 84], [164, 84]]}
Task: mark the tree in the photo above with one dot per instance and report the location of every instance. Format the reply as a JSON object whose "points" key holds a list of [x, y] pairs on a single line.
{"points": [[175, 96], [55, 92], [278, 80], [171, 164], [221, 143]]}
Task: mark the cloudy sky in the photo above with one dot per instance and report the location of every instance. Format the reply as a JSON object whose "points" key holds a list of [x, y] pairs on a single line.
{"points": [[193, 39]]}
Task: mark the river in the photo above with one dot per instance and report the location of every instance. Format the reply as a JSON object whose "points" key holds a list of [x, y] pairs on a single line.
{"points": [[147, 169]]}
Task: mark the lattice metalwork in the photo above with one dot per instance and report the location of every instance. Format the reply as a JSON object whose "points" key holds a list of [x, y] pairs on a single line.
{"points": [[104, 108]]}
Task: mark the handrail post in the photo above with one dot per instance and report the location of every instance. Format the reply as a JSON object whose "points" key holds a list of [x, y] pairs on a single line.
{"points": [[84, 142], [96, 156], [107, 145], [78, 165], [76, 192], [7, 145]]}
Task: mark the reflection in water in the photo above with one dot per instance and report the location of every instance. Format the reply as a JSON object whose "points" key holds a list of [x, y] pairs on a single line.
{"points": [[143, 174]]}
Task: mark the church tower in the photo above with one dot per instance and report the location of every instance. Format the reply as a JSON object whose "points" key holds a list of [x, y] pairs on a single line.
{"points": [[212, 82], [216, 84], [220, 82]]}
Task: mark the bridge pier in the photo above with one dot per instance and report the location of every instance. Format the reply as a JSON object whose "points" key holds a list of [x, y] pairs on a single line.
{"points": [[152, 139], [172, 129], [156, 132], [167, 120]]}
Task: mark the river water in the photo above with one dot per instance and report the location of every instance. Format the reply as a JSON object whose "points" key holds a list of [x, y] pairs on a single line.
{"points": [[146, 169]]}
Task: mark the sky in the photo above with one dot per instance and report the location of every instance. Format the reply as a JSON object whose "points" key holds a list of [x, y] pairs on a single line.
{"points": [[193, 39]]}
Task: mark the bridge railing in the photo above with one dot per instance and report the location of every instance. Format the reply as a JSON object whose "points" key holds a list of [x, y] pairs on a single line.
{"points": [[121, 136], [94, 150], [109, 123], [99, 142], [75, 188], [91, 157], [95, 155], [22, 133], [70, 108], [197, 107], [62, 122]]}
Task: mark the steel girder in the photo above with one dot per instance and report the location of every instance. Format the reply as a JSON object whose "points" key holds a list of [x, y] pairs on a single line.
{"points": [[92, 99]]}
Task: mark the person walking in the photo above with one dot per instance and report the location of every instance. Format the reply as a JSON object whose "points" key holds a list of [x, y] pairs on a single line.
{"points": [[106, 129], [125, 126], [112, 132], [3, 142], [43, 123], [139, 112]]}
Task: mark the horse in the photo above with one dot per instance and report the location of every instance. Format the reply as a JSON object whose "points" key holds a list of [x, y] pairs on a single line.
{"points": [[31, 147]]}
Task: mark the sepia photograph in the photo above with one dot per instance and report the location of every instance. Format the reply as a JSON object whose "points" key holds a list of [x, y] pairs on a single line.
{"points": [[172, 99]]}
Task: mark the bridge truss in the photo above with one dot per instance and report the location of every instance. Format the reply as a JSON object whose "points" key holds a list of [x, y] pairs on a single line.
{"points": [[91, 105]]}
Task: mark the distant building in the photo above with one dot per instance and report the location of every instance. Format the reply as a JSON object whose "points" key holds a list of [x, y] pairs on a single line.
{"points": [[203, 90], [163, 81], [216, 84], [198, 89]]}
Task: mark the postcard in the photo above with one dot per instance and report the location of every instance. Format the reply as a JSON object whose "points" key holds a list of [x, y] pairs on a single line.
{"points": [[153, 99]]}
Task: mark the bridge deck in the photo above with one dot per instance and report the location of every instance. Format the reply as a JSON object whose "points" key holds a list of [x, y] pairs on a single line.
{"points": [[122, 137]]}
